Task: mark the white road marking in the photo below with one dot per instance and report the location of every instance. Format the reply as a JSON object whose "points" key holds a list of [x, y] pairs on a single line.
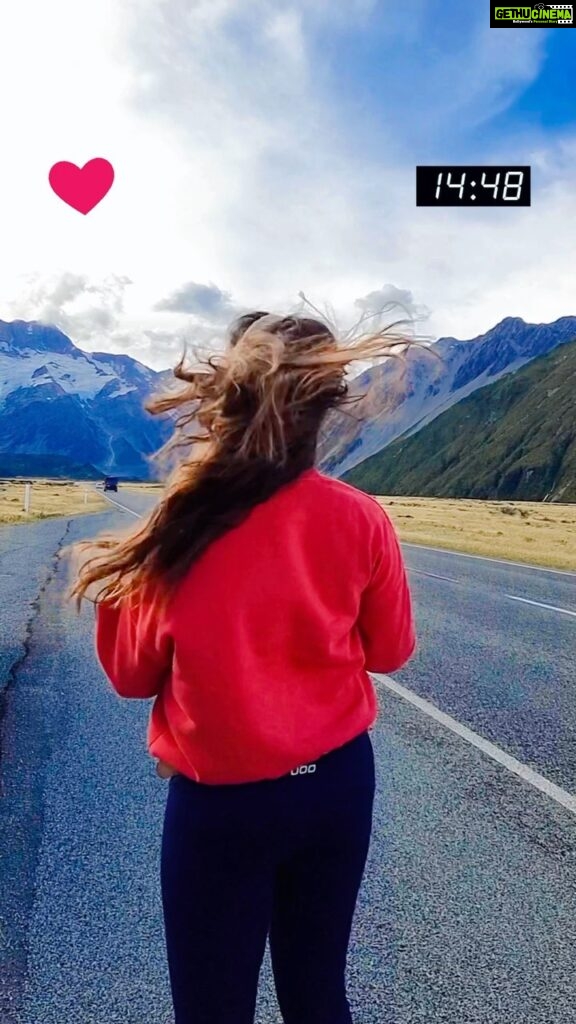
{"points": [[552, 607], [125, 508], [561, 796], [435, 575], [525, 600], [486, 558]]}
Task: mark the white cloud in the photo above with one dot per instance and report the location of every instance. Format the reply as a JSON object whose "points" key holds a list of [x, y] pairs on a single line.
{"points": [[240, 180], [82, 310], [397, 301], [208, 301], [285, 29]]}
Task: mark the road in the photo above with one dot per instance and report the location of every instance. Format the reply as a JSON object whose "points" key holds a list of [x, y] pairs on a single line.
{"points": [[467, 912]]}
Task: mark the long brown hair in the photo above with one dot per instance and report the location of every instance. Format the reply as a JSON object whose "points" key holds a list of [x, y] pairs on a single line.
{"points": [[261, 404]]}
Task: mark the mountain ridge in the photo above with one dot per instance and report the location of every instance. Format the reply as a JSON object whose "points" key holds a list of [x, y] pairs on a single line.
{"points": [[507, 440], [393, 408]]}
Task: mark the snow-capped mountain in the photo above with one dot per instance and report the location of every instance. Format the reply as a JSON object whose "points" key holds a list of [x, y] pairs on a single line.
{"points": [[56, 399], [393, 407]]}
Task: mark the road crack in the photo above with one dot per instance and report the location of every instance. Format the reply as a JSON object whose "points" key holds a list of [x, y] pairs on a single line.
{"points": [[10, 680]]}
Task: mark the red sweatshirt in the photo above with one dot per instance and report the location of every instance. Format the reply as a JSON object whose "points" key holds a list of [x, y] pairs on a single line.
{"points": [[260, 662]]}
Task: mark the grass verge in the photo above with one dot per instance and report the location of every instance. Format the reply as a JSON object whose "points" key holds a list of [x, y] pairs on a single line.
{"points": [[534, 532]]}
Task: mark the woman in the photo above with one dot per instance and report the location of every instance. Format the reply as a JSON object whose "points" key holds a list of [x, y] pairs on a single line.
{"points": [[251, 606]]}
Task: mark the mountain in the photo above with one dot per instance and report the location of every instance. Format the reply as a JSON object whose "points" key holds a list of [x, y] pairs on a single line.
{"points": [[79, 409], [57, 467], [61, 403], [392, 408], [515, 439]]}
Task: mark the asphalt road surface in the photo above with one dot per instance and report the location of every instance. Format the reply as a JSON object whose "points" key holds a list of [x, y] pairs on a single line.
{"points": [[467, 912]]}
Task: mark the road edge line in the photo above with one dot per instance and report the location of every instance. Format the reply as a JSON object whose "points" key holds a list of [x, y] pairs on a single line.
{"points": [[523, 771]]}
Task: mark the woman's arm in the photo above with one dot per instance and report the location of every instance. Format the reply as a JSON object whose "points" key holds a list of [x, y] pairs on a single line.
{"points": [[134, 647]]}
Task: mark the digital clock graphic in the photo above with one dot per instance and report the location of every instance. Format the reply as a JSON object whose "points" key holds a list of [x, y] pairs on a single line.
{"points": [[463, 185]]}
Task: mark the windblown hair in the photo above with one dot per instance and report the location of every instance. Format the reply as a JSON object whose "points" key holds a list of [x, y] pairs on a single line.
{"points": [[261, 403]]}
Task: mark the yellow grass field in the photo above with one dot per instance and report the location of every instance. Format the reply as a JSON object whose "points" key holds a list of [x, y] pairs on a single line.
{"points": [[533, 532]]}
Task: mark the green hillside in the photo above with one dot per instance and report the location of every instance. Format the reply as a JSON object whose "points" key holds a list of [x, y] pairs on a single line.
{"points": [[515, 438]]}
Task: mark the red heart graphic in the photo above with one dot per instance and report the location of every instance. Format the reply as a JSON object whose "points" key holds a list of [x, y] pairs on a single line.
{"points": [[82, 187]]}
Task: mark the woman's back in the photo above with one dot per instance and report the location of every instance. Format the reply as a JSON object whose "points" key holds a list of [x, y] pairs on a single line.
{"points": [[270, 636]]}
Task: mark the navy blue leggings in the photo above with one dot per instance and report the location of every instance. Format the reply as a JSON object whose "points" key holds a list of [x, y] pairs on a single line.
{"points": [[281, 859]]}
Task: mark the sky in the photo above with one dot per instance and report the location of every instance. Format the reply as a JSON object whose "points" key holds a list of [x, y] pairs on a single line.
{"points": [[263, 149]]}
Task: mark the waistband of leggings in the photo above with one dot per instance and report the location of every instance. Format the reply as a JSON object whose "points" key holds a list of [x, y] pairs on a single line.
{"points": [[331, 755]]}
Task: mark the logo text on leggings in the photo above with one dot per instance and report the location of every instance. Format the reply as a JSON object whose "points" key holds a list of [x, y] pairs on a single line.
{"points": [[304, 769]]}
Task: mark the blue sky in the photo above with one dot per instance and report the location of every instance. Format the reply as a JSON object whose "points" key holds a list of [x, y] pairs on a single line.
{"points": [[262, 149], [550, 100], [403, 75]]}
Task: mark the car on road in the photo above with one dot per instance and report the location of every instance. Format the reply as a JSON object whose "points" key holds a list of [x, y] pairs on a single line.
{"points": [[111, 483]]}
